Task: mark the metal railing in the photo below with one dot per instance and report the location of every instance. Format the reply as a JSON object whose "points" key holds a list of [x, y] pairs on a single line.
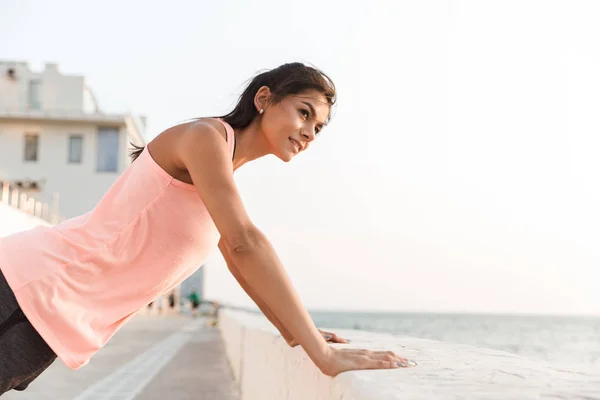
{"points": [[21, 201]]}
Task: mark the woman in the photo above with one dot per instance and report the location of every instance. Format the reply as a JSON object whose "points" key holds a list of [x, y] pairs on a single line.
{"points": [[65, 290]]}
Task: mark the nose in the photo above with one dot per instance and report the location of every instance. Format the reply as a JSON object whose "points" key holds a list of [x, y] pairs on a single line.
{"points": [[308, 137]]}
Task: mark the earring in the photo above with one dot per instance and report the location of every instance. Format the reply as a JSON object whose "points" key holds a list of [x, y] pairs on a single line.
{"points": [[261, 111]]}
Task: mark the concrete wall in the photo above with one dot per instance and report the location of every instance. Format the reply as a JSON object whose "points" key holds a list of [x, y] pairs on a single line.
{"points": [[13, 220], [265, 367]]}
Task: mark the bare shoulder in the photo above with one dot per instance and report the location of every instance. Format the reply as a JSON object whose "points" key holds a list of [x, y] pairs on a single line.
{"points": [[203, 124], [204, 135], [171, 149], [194, 130], [199, 129]]}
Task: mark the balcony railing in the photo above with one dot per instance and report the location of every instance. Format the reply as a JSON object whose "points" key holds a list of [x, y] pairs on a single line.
{"points": [[21, 201]]}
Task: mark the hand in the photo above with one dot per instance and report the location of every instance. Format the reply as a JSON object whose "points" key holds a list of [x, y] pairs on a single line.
{"points": [[329, 337], [340, 360]]}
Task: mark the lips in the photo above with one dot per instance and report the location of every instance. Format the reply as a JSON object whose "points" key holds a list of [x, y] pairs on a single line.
{"points": [[296, 144]]}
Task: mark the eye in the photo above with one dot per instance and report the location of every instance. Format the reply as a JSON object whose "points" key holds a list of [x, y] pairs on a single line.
{"points": [[305, 113]]}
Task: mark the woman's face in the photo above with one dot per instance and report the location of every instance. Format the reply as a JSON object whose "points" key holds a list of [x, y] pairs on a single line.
{"points": [[292, 124]]}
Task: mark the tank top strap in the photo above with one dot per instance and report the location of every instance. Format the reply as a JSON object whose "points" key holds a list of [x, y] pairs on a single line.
{"points": [[230, 137]]}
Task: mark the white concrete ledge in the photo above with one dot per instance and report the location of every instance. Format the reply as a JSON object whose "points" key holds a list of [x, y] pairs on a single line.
{"points": [[265, 367]]}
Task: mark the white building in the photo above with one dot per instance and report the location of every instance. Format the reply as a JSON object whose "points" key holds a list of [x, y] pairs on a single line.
{"points": [[56, 145]]}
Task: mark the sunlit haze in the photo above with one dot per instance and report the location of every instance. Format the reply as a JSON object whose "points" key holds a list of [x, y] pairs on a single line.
{"points": [[460, 171]]}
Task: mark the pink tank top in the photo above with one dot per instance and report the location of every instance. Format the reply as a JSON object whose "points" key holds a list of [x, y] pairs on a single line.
{"points": [[78, 282]]}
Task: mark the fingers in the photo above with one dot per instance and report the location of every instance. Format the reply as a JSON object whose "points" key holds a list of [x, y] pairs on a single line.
{"points": [[394, 358], [382, 359], [391, 362], [373, 363], [356, 359]]}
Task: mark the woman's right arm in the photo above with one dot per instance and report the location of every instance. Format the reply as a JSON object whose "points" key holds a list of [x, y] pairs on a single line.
{"points": [[203, 151], [235, 271]]}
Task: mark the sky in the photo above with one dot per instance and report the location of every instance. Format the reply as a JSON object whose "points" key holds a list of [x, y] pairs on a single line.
{"points": [[460, 172]]}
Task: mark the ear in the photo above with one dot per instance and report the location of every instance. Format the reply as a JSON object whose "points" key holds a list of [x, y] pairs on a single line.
{"points": [[262, 98]]}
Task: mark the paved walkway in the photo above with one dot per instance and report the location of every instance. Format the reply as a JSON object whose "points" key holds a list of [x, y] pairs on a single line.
{"points": [[150, 358]]}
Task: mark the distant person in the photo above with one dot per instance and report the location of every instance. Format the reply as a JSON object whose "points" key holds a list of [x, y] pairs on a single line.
{"points": [[66, 289], [195, 302], [214, 313], [216, 308]]}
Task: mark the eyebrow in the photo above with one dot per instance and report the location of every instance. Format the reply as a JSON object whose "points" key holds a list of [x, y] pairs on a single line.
{"points": [[312, 111]]}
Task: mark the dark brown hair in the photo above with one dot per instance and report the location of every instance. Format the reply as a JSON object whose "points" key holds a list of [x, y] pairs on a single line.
{"points": [[287, 79]]}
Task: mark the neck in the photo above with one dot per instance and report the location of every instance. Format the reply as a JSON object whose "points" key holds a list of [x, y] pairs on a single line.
{"points": [[250, 144]]}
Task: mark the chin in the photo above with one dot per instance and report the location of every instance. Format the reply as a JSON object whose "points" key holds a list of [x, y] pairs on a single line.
{"points": [[286, 157]]}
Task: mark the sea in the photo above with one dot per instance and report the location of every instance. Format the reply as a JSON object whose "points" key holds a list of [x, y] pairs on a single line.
{"points": [[572, 342]]}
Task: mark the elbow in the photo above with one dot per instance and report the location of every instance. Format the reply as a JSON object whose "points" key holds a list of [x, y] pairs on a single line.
{"points": [[244, 241]]}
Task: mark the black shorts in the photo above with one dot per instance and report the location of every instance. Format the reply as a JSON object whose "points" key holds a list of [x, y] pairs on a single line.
{"points": [[24, 355]]}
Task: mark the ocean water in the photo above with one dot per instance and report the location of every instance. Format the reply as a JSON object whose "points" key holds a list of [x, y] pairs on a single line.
{"points": [[563, 341]]}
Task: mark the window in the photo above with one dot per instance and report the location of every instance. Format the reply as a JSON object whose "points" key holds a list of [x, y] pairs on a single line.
{"points": [[35, 102], [108, 149], [31, 147], [75, 149]]}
